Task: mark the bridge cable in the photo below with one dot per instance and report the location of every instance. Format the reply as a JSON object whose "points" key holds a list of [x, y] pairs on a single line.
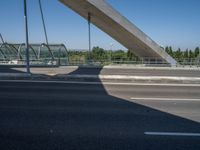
{"points": [[44, 27], [43, 22], [89, 34], [2, 38]]}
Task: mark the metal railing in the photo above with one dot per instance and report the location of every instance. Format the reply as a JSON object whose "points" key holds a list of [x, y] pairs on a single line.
{"points": [[50, 55], [67, 61]]}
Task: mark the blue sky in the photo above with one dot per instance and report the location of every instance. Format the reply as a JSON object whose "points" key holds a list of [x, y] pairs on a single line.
{"points": [[168, 22]]}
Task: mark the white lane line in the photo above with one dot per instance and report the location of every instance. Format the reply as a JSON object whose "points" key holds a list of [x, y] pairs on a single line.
{"points": [[103, 82], [164, 99], [172, 134]]}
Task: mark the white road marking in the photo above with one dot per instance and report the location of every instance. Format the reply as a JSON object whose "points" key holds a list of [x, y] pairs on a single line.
{"points": [[103, 82], [172, 134], [164, 99]]}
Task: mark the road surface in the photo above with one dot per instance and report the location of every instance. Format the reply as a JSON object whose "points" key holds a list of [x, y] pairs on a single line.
{"points": [[87, 116]]}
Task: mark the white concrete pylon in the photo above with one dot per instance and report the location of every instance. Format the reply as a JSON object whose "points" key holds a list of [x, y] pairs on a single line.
{"points": [[118, 27]]}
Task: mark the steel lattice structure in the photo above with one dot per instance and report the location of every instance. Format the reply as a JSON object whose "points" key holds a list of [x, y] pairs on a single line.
{"points": [[10, 51]]}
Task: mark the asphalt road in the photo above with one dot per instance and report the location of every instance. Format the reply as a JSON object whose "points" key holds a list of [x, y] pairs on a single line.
{"points": [[84, 116]]}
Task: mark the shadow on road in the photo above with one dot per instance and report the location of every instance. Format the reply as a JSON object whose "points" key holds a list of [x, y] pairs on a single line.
{"points": [[57, 116], [10, 69]]}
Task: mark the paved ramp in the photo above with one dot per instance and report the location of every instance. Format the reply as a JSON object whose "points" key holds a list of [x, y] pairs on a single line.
{"points": [[118, 27]]}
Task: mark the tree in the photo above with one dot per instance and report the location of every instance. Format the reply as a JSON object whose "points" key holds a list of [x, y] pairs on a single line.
{"points": [[169, 51], [178, 54], [119, 55], [131, 55], [98, 54], [186, 54], [191, 54], [196, 52]]}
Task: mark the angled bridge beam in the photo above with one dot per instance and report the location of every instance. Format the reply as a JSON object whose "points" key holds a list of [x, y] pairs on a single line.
{"points": [[118, 27]]}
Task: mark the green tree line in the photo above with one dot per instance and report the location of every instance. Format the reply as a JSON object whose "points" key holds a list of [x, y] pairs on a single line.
{"points": [[99, 54], [186, 54]]}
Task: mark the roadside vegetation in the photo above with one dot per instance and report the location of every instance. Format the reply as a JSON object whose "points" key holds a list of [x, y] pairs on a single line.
{"points": [[183, 54], [100, 55]]}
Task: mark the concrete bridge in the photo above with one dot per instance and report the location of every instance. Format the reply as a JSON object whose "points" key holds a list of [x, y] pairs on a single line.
{"points": [[118, 27]]}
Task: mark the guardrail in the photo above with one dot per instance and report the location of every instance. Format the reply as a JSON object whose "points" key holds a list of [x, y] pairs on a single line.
{"points": [[80, 62]]}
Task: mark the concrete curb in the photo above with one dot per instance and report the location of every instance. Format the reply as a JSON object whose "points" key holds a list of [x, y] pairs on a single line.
{"points": [[78, 77], [142, 67], [149, 79], [150, 68], [16, 75]]}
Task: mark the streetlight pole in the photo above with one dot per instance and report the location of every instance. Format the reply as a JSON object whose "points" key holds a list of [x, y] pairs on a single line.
{"points": [[27, 38]]}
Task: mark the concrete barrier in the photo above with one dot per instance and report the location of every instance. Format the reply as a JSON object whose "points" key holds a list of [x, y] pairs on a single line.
{"points": [[102, 78]]}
